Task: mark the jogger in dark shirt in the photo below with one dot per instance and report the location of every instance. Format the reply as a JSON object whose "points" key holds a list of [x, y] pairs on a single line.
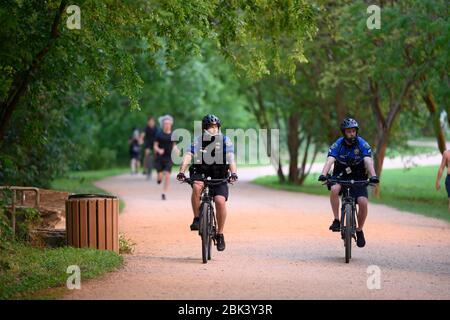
{"points": [[163, 147], [148, 137]]}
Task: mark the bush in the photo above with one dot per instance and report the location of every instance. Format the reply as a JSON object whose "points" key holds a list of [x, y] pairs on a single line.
{"points": [[101, 159], [27, 219], [126, 246]]}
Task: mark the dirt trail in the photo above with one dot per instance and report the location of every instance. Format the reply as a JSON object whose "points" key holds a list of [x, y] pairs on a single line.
{"points": [[278, 247]]}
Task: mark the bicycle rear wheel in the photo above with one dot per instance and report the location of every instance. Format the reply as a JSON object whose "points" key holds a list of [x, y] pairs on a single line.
{"points": [[205, 235], [348, 232]]}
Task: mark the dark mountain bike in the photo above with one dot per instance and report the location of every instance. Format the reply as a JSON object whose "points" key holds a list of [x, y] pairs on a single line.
{"points": [[208, 222], [348, 212]]}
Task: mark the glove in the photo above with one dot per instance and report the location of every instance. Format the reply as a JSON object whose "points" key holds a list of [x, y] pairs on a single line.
{"points": [[374, 179], [322, 178], [233, 177], [181, 176]]}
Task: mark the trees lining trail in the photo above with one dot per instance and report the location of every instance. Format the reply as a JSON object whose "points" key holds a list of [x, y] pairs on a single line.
{"points": [[278, 247]]}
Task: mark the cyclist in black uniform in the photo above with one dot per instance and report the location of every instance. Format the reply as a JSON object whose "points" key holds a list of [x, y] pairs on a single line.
{"points": [[213, 155], [352, 158]]}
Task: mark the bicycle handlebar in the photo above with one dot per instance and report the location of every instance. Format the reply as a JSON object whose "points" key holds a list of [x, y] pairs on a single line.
{"points": [[210, 182], [350, 182]]}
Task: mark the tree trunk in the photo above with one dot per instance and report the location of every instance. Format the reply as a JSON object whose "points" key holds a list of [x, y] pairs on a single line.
{"points": [[447, 110], [303, 178], [293, 145], [280, 173], [302, 173], [431, 105], [262, 118]]}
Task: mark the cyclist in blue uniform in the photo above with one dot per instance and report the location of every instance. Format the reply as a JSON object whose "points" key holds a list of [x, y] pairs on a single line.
{"points": [[352, 159], [213, 155]]}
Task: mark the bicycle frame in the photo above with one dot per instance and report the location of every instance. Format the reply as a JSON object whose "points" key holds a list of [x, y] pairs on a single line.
{"points": [[207, 199], [348, 199], [348, 217]]}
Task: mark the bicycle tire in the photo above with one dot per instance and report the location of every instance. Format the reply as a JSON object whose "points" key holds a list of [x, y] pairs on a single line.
{"points": [[348, 211], [211, 231], [204, 228]]}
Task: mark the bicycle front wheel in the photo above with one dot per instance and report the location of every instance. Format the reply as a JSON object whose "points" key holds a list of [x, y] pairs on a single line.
{"points": [[348, 232], [204, 228]]}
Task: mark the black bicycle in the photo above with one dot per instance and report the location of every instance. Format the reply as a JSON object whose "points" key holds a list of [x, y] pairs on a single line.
{"points": [[208, 222], [348, 212]]}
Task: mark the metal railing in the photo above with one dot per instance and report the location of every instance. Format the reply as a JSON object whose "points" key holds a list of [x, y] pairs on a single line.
{"points": [[19, 192]]}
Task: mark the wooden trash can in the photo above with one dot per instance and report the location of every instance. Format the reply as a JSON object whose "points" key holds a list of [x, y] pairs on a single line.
{"points": [[92, 221]]}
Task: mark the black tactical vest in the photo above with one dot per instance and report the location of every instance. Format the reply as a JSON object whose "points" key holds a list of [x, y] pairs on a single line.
{"points": [[210, 159]]}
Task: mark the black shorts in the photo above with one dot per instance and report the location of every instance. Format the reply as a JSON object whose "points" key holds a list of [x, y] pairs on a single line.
{"points": [[219, 190], [148, 145], [163, 164], [447, 185], [134, 155], [356, 192]]}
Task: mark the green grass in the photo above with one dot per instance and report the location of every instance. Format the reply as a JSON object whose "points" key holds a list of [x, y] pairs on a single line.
{"points": [[83, 182], [40, 273], [411, 151], [28, 273], [405, 189]]}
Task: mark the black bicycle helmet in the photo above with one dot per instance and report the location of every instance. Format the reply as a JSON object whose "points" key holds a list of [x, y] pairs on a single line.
{"points": [[208, 120], [349, 123]]}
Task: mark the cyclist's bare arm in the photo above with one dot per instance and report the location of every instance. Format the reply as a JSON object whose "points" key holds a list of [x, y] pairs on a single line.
{"points": [[328, 164], [368, 162], [175, 147], [231, 162], [156, 147], [445, 157], [186, 162]]}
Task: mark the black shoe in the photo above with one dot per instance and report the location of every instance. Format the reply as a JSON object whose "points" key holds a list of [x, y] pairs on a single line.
{"points": [[159, 181], [220, 242], [360, 240], [195, 224], [163, 196], [335, 226]]}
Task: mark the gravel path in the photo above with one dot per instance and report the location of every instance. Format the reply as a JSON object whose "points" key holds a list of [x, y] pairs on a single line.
{"points": [[278, 247]]}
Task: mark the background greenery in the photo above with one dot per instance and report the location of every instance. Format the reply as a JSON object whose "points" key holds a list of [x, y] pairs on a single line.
{"points": [[71, 98]]}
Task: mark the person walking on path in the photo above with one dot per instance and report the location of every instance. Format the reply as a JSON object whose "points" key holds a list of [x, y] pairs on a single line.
{"points": [[148, 136], [134, 151], [445, 163]]}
